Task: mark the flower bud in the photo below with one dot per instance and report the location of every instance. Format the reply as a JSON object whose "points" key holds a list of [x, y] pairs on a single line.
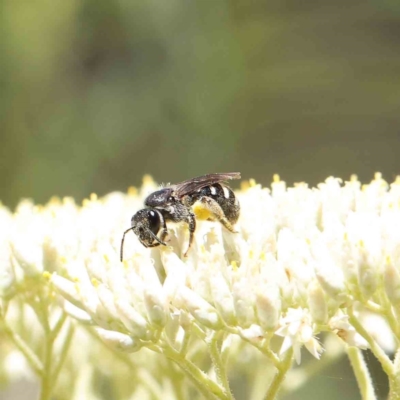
{"points": [[254, 333], [133, 320], [391, 278], [243, 297], [7, 276], [367, 273], [77, 313], [268, 306], [155, 306], [66, 288], [317, 303], [223, 298], [28, 256], [331, 278], [118, 341], [200, 309]]}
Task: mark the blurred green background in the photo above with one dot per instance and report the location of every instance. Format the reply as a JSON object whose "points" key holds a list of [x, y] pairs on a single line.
{"points": [[94, 94]]}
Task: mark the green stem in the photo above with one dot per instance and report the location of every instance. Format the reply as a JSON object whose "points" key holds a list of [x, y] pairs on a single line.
{"points": [[214, 346], [142, 374], [282, 369], [387, 365], [46, 381], [46, 386], [264, 347], [30, 356], [177, 379], [208, 388], [389, 311], [362, 374], [374, 307], [394, 381], [64, 352], [395, 315], [150, 382], [185, 343], [57, 327]]}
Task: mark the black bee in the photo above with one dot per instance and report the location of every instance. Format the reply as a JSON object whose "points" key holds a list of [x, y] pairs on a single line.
{"points": [[174, 203]]}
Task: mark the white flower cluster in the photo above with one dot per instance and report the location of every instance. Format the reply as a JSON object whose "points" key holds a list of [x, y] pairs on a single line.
{"points": [[304, 261]]}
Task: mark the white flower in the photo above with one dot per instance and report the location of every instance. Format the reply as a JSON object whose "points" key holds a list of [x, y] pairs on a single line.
{"points": [[317, 302], [302, 257], [339, 324], [297, 330], [391, 277]]}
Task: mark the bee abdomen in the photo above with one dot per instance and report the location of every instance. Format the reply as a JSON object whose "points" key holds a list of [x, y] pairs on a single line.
{"points": [[225, 197]]}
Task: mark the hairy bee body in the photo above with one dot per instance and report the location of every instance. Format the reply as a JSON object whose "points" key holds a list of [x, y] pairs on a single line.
{"points": [[223, 196], [175, 203]]}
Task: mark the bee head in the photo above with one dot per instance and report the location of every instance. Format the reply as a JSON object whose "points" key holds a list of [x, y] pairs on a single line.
{"points": [[145, 224]]}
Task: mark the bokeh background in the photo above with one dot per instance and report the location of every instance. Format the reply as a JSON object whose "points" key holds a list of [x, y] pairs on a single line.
{"points": [[95, 94]]}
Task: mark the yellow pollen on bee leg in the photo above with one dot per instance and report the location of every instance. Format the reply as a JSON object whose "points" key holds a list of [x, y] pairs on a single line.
{"points": [[201, 212]]}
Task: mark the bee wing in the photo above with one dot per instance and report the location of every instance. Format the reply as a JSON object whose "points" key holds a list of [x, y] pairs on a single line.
{"points": [[191, 185]]}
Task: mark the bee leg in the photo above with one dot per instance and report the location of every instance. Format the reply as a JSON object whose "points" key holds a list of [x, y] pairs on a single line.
{"points": [[192, 227], [152, 245], [164, 234], [159, 241], [217, 213]]}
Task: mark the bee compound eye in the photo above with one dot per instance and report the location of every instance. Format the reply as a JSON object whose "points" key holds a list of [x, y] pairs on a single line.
{"points": [[154, 219]]}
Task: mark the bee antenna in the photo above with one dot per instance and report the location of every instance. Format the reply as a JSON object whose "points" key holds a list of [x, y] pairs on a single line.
{"points": [[121, 253]]}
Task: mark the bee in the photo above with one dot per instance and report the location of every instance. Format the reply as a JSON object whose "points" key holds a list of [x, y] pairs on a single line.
{"points": [[174, 203]]}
